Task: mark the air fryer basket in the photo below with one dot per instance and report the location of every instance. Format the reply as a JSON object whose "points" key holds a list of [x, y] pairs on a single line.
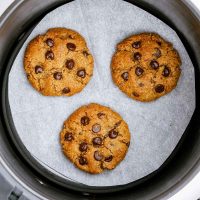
{"points": [[15, 26]]}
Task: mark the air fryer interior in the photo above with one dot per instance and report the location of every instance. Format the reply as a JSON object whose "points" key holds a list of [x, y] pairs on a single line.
{"points": [[26, 168]]}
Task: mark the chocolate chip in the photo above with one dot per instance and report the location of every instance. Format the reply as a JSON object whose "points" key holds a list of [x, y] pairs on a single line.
{"points": [[71, 46], [108, 158], [96, 128], [70, 37], [139, 71], [154, 64], [85, 53], [83, 146], [68, 136], [81, 73], [125, 76], [159, 88], [57, 75], [66, 90], [135, 94], [112, 134], [85, 120], [97, 141], [70, 64], [166, 71], [100, 115], [50, 42], [98, 156], [137, 56], [49, 55], [38, 69], [136, 45], [157, 54], [83, 161]]}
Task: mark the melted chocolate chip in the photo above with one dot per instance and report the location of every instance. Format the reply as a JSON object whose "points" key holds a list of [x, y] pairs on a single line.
{"points": [[127, 144], [83, 161], [70, 37], [83, 146], [85, 120], [100, 115], [49, 55], [139, 71], [57, 75], [117, 124], [154, 64], [108, 158], [97, 141], [125, 76], [166, 71], [135, 94], [66, 90], [85, 53], [71, 46], [157, 54], [159, 88], [38, 69], [159, 43], [70, 64], [96, 128], [81, 73], [136, 45], [50, 42], [68, 136], [137, 56], [113, 134], [98, 156], [141, 84]]}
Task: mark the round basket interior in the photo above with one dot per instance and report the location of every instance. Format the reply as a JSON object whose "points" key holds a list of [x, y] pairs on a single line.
{"points": [[182, 162]]}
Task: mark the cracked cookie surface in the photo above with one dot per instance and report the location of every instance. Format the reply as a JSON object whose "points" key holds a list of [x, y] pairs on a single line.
{"points": [[95, 138], [58, 62], [145, 66]]}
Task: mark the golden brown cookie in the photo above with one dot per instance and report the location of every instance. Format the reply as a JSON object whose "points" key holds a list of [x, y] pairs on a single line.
{"points": [[145, 66], [95, 138], [58, 62]]}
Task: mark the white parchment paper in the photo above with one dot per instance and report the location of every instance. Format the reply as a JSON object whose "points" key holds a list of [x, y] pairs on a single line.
{"points": [[155, 127]]}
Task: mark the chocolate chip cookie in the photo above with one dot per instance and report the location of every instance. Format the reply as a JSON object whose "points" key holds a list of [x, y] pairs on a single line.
{"points": [[95, 138], [58, 62], [145, 66]]}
